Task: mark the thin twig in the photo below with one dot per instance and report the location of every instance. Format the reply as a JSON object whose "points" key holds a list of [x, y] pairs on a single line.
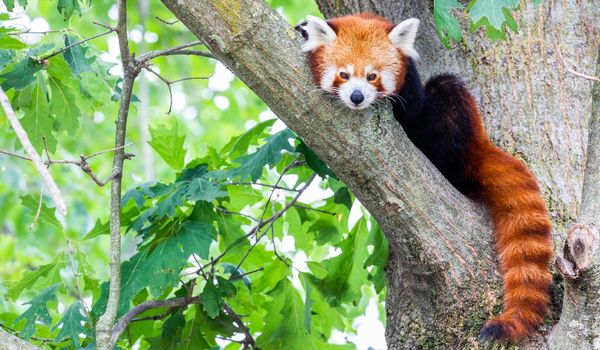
{"points": [[169, 83], [153, 54], [47, 153], [273, 218], [242, 275], [76, 282], [571, 70], [190, 53], [15, 155], [171, 22], [249, 340], [108, 150], [35, 158], [263, 185], [39, 209], [39, 33], [229, 212], [82, 162], [260, 224], [314, 209], [58, 52]]}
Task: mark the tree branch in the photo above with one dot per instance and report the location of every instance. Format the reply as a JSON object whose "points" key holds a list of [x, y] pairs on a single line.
{"points": [[82, 162], [35, 158], [176, 50], [58, 52], [121, 325], [12, 342], [104, 339], [441, 249]]}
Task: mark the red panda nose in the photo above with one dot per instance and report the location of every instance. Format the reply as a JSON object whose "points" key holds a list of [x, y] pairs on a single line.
{"points": [[357, 97]]}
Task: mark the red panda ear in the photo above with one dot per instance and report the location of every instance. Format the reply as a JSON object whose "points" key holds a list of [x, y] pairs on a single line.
{"points": [[403, 37], [316, 32]]}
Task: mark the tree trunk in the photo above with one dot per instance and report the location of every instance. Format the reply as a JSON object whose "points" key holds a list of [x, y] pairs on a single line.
{"points": [[442, 274]]}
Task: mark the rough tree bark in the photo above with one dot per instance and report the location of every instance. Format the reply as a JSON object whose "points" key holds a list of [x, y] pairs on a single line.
{"points": [[442, 272]]}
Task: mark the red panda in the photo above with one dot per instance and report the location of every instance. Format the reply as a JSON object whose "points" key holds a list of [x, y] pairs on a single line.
{"points": [[364, 58]]}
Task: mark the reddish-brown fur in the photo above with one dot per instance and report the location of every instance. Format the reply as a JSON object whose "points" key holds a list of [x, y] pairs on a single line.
{"points": [[522, 233], [503, 183]]}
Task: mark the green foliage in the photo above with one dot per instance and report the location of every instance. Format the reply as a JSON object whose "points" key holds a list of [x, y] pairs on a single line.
{"points": [[493, 15], [46, 214], [21, 75], [447, 26], [71, 325], [167, 142], [208, 226], [38, 311], [76, 55]]}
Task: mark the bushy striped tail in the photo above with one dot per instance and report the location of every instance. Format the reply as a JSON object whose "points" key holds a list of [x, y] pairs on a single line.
{"points": [[523, 241]]}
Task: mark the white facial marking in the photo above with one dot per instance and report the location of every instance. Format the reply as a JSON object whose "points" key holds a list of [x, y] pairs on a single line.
{"points": [[328, 78], [319, 33], [361, 85], [388, 80], [403, 37], [350, 69]]}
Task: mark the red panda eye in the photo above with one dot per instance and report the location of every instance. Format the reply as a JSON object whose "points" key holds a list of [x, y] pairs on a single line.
{"points": [[344, 75], [371, 77]]}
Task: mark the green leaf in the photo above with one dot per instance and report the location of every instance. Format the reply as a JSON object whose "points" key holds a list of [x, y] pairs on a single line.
{"points": [[346, 272], [10, 4], [40, 49], [171, 334], [64, 106], [319, 271], [98, 229], [31, 277], [308, 301], [342, 196], [446, 24], [195, 238], [238, 145], [21, 75], [5, 57], [314, 162], [37, 121], [76, 55], [268, 154], [68, 8], [378, 258], [158, 269], [211, 299], [285, 326], [491, 14], [9, 42], [38, 311], [72, 324], [203, 190], [46, 214], [167, 142]]}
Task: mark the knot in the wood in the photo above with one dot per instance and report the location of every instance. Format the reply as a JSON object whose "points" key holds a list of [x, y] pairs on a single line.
{"points": [[579, 250]]}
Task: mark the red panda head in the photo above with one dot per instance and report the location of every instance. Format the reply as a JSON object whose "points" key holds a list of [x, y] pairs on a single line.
{"points": [[360, 58]]}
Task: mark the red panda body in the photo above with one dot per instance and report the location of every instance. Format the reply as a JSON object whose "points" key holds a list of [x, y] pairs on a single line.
{"points": [[363, 58]]}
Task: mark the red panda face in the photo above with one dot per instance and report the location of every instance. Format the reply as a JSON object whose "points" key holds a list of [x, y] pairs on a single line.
{"points": [[360, 58]]}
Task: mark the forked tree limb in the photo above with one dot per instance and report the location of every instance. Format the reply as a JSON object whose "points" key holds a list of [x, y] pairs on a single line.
{"points": [[440, 242]]}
